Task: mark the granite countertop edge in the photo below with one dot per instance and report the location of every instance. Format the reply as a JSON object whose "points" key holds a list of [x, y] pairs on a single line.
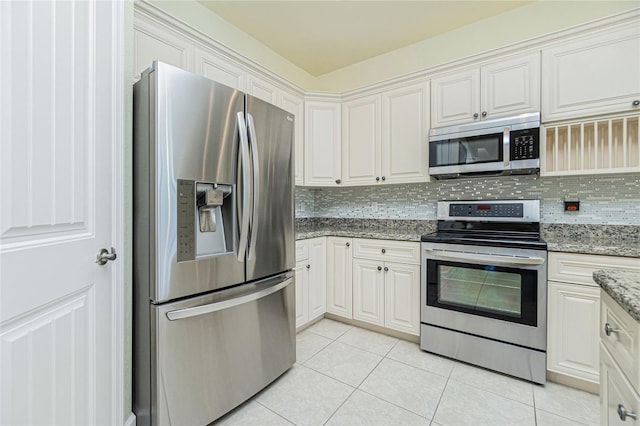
{"points": [[623, 287], [560, 245]]}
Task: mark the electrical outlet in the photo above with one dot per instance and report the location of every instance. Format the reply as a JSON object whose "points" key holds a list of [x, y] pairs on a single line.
{"points": [[374, 206]]}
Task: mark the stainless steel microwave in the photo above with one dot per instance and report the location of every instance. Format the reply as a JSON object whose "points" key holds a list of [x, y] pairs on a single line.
{"points": [[502, 146]]}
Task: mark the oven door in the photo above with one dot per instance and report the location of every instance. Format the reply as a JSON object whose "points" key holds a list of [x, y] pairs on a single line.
{"points": [[469, 152], [493, 292]]}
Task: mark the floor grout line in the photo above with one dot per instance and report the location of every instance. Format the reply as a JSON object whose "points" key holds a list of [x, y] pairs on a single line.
{"points": [[277, 414]]}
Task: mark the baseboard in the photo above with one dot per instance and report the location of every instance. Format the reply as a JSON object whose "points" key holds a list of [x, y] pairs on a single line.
{"points": [[376, 328], [131, 421], [574, 382]]}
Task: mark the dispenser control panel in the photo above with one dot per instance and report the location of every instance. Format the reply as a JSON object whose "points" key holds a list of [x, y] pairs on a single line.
{"points": [[186, 220]]}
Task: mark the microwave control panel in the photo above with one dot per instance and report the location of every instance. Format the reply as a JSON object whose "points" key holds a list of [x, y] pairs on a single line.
{"points": [[525, 144]]}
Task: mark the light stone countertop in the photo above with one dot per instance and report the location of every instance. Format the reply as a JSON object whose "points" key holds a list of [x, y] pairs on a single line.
{"points": [[623, 287]]}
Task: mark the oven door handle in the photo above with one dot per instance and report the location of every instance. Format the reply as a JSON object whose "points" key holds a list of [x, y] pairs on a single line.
{"points": [[490, 259]]}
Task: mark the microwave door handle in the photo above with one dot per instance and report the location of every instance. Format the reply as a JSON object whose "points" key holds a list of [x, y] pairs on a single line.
{"points": [[246, 194], [488, 259], [506, 142]]}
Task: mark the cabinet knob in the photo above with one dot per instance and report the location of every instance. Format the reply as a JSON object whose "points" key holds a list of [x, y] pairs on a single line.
{"points": [[386, 269], [484, 113], [475, 115], [379, 268], [348, 244], [623, 413], [384, 178], [308, 266], [377, 178], [338, 181], [383, 251], [608, 329], [635, 103]]}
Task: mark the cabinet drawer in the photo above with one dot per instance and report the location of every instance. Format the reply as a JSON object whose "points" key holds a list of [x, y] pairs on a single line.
{"points": [[578, 268], [615, 390], [623, 341], [302, 250], [387, 250]]}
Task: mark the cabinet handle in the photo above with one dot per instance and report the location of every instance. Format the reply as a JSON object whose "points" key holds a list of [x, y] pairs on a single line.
{"points": [[348, 244], [383, 251], [384, 178], [338, 181], [484, 113], [308, 266], [377, 178], [623, 413], [608, 329], [386, 269], [379, 268], [475, 115], [635, 103]]}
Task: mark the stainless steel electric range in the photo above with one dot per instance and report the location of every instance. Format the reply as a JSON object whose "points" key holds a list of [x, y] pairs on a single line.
{"points": [[483, 286]]}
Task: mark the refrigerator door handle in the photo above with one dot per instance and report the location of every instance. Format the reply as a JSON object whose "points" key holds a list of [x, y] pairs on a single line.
{"points": [[226, 304], [246, 195], [253, 146]]}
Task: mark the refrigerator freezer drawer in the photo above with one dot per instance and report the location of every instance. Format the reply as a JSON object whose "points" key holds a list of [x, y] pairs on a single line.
{"points": [[215, 352]]}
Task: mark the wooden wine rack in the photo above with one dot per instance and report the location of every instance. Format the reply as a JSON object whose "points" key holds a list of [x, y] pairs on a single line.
{"points": [[605, 145]]}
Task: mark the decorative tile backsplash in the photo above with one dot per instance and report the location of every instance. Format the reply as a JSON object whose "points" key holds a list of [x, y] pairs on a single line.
{"points": [[604, 199]]}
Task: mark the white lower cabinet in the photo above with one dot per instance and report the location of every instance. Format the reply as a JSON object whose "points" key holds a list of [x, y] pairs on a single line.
{"points": [[311, 279], [619, 365], [339, 276], [573, 312], [387, 293]]}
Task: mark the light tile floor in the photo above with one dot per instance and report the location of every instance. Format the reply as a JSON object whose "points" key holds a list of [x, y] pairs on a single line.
{"points": [[345, 375]]}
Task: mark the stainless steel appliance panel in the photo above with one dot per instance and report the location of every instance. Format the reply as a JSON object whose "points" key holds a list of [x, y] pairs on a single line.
{"points": [[193, 137], [272, 234], [519, 334], [216, 351]]}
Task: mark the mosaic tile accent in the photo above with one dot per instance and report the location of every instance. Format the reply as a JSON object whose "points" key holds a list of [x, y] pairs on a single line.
{"points": [[604, 199]]}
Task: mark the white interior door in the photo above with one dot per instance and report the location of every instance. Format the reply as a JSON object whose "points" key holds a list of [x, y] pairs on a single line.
{"points": [[62, 126]]}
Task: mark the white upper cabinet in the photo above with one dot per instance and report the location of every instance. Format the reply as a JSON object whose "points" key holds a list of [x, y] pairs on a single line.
{"points": [[384, 137], [220, 70], [263, 89], [294, 104], [510, 86], [361, 141], [405, 123], [322, 154], [153, 42], [592, 75]]}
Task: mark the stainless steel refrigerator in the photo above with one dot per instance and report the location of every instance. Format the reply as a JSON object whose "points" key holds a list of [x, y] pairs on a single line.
{"points": [[213, 247]]}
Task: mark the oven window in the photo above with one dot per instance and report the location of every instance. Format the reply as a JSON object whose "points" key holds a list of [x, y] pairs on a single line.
{"points": [[470, 150], [503, 293]]}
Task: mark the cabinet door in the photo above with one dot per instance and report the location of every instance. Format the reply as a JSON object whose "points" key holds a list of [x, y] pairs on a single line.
{"points": [[510, 86], [156, 42], [615, 390], [596, 74], [572, 330], [317, 277], [402, 297], [405, 125], [295, 105], [339, 277], [368, 291], [220, 70], [302, 296], [264, 90], [455, 98], [361, 141], [322, 154]]}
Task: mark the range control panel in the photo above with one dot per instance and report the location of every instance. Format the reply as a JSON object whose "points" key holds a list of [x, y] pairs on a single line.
{"points": [[524, 144], [486, 210]]}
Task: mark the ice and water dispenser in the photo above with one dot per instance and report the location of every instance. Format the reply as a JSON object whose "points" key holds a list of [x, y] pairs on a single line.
{"points": [[205, 219]]}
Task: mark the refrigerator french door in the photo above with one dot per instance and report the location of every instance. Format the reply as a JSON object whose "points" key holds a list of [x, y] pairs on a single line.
{"points": [[213, 247]]}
